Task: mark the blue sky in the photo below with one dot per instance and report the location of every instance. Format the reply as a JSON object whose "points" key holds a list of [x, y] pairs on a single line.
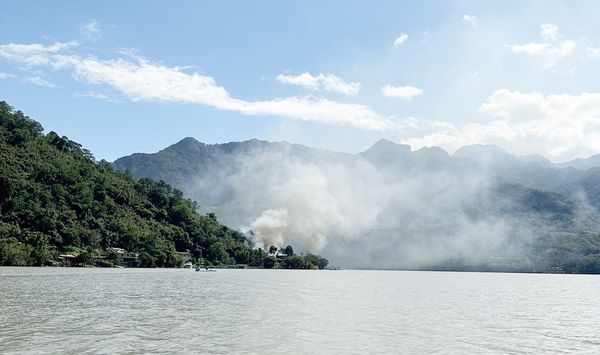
{"points": [[137, 76]]}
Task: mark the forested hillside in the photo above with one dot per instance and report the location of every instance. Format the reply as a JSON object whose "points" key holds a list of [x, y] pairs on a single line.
{"points": [[54, 198]]}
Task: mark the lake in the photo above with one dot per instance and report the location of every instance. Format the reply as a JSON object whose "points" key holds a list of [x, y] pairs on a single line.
{"points": [[166, 311]]}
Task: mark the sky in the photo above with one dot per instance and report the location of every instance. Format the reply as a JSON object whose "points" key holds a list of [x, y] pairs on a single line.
{"points": [[136, 76]]}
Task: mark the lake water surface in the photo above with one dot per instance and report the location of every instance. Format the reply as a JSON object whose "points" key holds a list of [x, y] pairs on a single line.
{"points": [[71, 310]]}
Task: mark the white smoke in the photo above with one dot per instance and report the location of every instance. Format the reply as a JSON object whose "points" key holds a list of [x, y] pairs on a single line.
{"points": [[362, 214], [268, 229]]}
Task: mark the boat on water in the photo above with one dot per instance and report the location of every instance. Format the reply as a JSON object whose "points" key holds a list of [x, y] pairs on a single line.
{"points": [[204, 269], [188, 265]]}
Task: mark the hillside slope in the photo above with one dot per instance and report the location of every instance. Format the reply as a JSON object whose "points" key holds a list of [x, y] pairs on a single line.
{"points": [[54, 198]]}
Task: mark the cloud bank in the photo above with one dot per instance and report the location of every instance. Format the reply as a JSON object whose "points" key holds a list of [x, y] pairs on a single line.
{"points": [[142, 80], [562, 125]]}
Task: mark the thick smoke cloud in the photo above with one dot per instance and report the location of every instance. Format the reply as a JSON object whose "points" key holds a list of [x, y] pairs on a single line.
{"points": [[375, 210], [269, 228]]}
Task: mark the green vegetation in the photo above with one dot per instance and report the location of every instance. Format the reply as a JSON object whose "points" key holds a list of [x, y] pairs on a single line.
{"points": [[286, 259], [57, 203]]}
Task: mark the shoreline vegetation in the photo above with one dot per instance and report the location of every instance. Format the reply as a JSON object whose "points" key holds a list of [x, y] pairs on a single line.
{"points": [[59, 207]]}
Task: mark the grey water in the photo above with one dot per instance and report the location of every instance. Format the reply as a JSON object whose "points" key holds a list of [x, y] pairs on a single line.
{"points": [[167, 311]]}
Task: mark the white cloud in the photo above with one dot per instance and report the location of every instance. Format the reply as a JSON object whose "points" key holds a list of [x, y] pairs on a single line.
{"points": [[305, 80], [530, 48], [549, 31], [551, 50], [593, 53], [144, 80], [471, 20], [91, 30], [562, 125], [36, 80], [327, 82], [564, 49], [401, 39], [402, 92], [5, 75], [32, 54], [514, 105], [333, 83]]}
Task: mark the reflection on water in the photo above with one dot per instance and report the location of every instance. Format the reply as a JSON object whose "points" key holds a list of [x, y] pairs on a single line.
{"points": [[69, 310]]}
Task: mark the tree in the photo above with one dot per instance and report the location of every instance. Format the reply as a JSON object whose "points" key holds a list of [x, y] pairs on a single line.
{"points": [[295, 262], [14, 253], [315, 261], [147, 260], [269, 262], [272, 249], [289, 251], [84, 258], [218, 254]]}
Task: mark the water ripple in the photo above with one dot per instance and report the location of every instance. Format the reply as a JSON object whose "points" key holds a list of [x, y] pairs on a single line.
{"points": [[132, 311]]}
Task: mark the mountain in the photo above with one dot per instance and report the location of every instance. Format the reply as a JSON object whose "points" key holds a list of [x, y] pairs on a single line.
{"points": [[535, 158], [56, 200], [583, 164], [536, 173], [389, 207], [388, 154]]}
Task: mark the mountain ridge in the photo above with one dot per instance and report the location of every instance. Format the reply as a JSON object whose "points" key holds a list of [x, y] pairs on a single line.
{"points": [[491, 150]]}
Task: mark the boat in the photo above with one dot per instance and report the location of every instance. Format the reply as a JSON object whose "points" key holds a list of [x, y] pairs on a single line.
{"points": [[188, 265], [204, 269]]}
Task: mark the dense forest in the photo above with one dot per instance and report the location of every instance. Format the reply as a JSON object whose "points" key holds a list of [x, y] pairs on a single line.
{"points": [[56, 200]]}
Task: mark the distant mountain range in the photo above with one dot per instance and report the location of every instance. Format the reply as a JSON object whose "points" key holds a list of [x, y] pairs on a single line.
{"points": [[390, 207], [578, 177], [579, 163]]}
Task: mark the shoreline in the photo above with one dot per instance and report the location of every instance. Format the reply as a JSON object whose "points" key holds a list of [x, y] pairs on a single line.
{"points": [[284, 269]]}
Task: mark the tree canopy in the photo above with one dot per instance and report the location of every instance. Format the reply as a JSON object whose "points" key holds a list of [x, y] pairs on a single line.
{"points": [[55, 198]]}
